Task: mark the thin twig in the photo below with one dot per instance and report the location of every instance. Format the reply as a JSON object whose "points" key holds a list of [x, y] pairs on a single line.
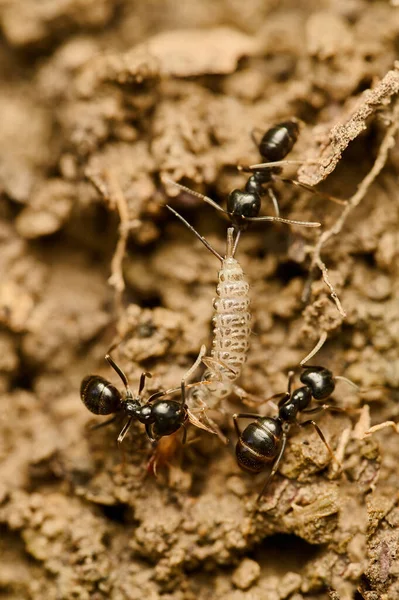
{"points": [[108, 185], [387, 143]]}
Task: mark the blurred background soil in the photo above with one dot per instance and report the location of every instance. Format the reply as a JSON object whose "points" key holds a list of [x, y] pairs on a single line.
{"points": [[100, 102]]}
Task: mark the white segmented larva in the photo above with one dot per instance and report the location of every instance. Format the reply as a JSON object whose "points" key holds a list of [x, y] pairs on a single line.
{"points": [[231, 325]]}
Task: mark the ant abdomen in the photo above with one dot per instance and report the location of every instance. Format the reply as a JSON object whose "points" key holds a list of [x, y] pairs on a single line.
{"points": [[279, 140], [258, 444], [99, 395], [320, 380]]}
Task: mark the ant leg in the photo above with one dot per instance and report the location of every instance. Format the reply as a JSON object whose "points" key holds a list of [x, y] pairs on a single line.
{"points": [[243, 416], [291, 375], [199, 236], [274, 200], [121, 374], [150, 435], [104, 423], [349, 382], [311, 190], [322, 437], [283, 400], [124, 430], [276, 163], [142, 381], [315, 350], [253, 138], [274, 468], [158, 395], [286, 395], [246, 397], [317, 409], [323, 407], [184, 438], [280, 220]]}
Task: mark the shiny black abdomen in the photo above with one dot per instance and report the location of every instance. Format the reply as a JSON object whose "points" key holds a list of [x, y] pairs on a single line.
{"points": [[279, 140], [99, 395], [258, 444]]}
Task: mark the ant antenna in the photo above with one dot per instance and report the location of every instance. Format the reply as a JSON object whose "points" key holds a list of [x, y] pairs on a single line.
{"points": [[315, 350], [197, 195]]}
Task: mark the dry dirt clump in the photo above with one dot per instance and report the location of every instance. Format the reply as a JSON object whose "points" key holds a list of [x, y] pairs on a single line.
{"points": [[103, 102]]}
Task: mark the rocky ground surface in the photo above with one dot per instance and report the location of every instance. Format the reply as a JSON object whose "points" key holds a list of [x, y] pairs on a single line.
{"points": [[103, 101]]}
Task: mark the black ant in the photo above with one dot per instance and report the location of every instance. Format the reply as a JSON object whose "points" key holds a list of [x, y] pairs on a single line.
{"points": [[273, 147], [160, 417], [243, 206], [264, 440]]}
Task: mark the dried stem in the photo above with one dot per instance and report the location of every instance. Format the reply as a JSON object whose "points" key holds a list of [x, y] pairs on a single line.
{"points": [[108, 185], [387, 143]]}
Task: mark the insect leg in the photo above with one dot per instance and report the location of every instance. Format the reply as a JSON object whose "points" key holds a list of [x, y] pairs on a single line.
{"points": [[184, 438], [107, 422], [150, 435], [274, 200], [323, 439], [142, 381], [237, 416], [280, 220], [276, 465], [311, 190], [124, 430], [121, 374]]}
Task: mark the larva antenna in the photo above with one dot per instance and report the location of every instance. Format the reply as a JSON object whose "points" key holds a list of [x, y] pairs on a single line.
{"points": [[199, 236]]}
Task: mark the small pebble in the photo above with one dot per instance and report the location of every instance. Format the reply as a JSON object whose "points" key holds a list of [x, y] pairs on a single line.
{"points": [[246, 574]]}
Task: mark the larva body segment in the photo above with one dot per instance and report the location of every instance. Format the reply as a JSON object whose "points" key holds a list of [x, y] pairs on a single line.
{"points": [[231, 329]]}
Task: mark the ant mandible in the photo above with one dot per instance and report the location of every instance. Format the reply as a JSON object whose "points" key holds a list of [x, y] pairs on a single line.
{"points": [[160, 417], [264, 440]]}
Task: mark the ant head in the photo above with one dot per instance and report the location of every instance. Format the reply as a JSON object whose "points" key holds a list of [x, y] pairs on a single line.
{"points": [[320, 381], [243, 204]]}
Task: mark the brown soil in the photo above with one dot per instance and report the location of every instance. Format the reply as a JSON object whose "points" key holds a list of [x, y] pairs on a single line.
{"points": [[101, 102]]}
